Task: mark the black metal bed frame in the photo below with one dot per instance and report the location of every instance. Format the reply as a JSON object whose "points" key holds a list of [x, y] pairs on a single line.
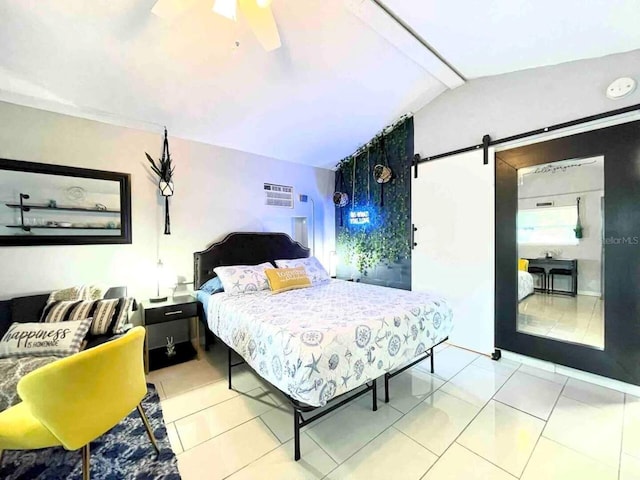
{"points": [[251, 248], [299, 408]]}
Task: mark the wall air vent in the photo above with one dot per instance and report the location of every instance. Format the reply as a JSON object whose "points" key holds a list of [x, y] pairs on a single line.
{"points": [[278, 195], [544, 204]]}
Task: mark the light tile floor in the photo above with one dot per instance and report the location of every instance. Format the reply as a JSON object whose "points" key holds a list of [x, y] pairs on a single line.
{"points": [[474, 418], [577, 319]]}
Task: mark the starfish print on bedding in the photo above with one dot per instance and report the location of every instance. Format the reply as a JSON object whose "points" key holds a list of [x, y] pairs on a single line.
{"points": [[313, 366], [345, 380], [316, 383]]}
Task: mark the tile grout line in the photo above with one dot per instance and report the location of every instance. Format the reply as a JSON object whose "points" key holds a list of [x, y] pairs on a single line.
{"points": [[222, 433], [489, 461], [624, 414], [326, 453], [363, 446], [546, 422], [438, 457], [270, 430], [179, 440], [476, 416], [276, 448], [434, 375], [392, 425], [238, 395], [455, 440], [599, 461], [520, 410]]}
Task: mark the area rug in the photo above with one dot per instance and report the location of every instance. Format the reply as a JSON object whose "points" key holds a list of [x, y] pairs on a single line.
{"points": [[124, 452]]}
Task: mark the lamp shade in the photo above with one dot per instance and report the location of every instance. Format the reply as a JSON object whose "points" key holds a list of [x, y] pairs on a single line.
{"points": [[263, 3], [226, 8]]}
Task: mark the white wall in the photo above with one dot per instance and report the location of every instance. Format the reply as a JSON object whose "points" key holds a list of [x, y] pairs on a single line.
{"points": [[514, 103], [562, 188], [217, 191]]}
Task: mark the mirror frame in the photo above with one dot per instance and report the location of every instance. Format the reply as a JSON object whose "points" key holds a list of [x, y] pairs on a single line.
{"points": [[123, 179], [620, 145]]}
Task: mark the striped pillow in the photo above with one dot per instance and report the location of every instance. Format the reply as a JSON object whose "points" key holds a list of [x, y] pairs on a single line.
{"points": [[109, 315]]}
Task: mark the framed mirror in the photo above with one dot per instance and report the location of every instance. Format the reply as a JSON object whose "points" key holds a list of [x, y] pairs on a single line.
{"points": [[560, 232], [567, 214], [43, 204]]}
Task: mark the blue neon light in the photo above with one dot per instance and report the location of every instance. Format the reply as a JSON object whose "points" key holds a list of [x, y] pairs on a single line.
{"points": [[358, 217]]}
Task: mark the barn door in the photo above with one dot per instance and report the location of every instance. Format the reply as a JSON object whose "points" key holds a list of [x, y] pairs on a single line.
{"points": [[453, 210]]}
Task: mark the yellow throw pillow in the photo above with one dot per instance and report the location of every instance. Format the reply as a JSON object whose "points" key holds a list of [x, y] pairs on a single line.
{"points": [[523, 265], [283, 279]]}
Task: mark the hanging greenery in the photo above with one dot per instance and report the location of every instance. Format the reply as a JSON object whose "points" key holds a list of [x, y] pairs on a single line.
{"points": [[384, 237]]}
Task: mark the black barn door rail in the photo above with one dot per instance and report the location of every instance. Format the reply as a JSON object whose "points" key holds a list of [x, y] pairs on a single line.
{"points": [[487, 142]]}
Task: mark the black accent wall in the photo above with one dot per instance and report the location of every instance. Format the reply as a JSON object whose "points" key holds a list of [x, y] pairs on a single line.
{"points": [[389, 229]]}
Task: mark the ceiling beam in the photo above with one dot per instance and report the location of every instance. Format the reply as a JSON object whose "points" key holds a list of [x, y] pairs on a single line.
{"points": [[397, 32]]}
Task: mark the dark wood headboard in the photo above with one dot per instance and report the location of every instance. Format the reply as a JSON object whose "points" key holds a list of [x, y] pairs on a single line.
{"points": [[244, 248]]}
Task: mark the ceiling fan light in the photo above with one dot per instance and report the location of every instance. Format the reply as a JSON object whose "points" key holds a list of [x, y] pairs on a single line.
{"points": [[226, 8], [263, 3]]}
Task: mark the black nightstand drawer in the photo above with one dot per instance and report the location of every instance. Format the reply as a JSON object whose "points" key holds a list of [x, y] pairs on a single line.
{"points": [[170, 312]]}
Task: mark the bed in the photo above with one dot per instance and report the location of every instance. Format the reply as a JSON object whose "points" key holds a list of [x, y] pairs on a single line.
{"points": [[325, 344], [525, 285]]}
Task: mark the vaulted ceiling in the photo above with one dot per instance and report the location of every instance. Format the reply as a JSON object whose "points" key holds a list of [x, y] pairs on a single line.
{"points": [[345, 70]]}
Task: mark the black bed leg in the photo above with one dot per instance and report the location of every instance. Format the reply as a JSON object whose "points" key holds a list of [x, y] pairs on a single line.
{"points": [[386, 388], [431, 355], [296, 434], [229, 366], [375, 396], [208, 340]]}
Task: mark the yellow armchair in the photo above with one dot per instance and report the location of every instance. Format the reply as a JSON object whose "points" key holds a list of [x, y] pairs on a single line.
{"points": [[76, 399]]}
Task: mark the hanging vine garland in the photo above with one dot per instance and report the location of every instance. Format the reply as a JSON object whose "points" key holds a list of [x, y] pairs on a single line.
{"points": [[383, 239]]}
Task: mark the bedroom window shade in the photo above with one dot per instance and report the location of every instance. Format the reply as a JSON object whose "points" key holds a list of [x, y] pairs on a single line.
{"points": [[548, 226]]}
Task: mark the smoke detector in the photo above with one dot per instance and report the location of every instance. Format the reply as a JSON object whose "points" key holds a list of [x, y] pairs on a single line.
{"points": [[621, 87]]}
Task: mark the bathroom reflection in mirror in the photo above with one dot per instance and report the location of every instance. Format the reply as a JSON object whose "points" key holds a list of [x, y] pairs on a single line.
{"points": [[560, 251]]}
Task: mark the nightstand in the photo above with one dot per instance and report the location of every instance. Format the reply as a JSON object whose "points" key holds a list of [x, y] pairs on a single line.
{"points": [[183, 308]]}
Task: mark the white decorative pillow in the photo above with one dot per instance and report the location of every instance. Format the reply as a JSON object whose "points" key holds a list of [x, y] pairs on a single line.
{"points": [[239, 279], [314, 268], [82, 292], [44, 339]]}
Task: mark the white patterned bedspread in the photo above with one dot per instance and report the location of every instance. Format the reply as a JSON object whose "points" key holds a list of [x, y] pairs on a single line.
{"points": [[525, 284], [317, 343]]}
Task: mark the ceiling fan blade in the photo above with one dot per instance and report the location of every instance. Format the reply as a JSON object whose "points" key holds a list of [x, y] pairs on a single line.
{"points": [[170, 9], [262, 22]]}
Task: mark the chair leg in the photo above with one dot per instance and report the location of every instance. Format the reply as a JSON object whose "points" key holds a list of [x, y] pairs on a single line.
{"points": [[86, 462], [147, 426]]}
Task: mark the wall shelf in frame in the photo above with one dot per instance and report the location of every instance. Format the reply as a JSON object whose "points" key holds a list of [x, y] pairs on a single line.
{"points": [[34, 187], [26, 208], [30, 227]]}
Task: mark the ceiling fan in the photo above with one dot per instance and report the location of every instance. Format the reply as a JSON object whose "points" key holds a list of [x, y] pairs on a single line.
{"points": [[257, 13]]}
